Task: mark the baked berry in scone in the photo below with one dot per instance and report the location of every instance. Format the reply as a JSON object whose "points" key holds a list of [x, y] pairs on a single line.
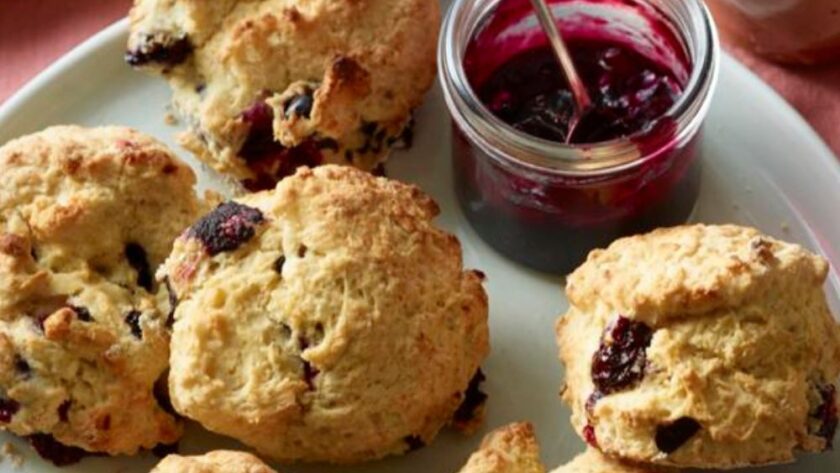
{"points": [[266, 86], [509, 449], [218, 461], [702, 346], [326, 320], [86, 216]]}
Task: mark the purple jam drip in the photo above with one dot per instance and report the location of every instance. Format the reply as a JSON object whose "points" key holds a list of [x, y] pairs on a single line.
{"points": [[629, 92]]}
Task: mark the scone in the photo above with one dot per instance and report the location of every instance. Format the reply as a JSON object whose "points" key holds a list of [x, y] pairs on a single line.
{"points": [[267, 86], [510, 449], [86, 216], [702, 346], [326, 320], [593, 461], [219, 461]]}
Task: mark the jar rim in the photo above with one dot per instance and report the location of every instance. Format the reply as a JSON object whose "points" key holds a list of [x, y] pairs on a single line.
{"points": [[492, 134]]}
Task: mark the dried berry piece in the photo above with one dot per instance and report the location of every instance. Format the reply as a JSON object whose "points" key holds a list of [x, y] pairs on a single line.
{"points": [[278, 264], [160, 49], [414, 442], [82, 313], [474, 399], [54, 451], [309, 371], [620, 361], [64, 410], [173, 303], [405, 139], [227, 227], [136, 256], [8, 409], [22, 367], [589, 436], [132, 318], [826, 414], [592, 400], [670, 437], [161, 392], [299, 105]]}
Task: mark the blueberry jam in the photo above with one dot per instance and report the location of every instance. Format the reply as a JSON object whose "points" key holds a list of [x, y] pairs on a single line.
{"points": [[670, 437], [628, 165], [629, 92]]}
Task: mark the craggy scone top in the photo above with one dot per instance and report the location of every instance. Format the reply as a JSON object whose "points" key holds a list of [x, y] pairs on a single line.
{"points": [[218, 461], [701, 345], [326, 320], [86, 216], [334, 80]]}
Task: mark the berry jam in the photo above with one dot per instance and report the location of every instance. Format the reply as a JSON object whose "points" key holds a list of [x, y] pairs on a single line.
{"points": [[629, 93], [549, 214]]}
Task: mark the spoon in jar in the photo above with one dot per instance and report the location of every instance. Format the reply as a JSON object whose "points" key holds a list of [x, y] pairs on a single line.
{"points": [[578, 88]]}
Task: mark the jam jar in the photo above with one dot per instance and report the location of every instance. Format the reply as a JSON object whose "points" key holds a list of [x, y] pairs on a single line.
{"points": [[544, 185]]}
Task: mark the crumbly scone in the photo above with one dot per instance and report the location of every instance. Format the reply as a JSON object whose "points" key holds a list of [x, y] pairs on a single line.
{"points": [[593, 461], [509, 449], [269, 85], [705, 346], [218, 461], [86, 216], [327, 320]]}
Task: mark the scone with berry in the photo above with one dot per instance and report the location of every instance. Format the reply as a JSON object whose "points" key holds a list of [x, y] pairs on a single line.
{"points": [[326, 320], [701, 346], [218, 461], [266, 86], [86, 216]]}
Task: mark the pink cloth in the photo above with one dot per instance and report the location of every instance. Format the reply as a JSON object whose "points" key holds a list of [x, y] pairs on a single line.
{"points": [[34, 33]]}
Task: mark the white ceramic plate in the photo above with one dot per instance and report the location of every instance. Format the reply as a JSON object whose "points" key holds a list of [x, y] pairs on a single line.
{"points": [[764, 167]]}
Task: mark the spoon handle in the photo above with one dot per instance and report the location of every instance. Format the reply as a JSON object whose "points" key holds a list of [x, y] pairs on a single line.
{"points": [[549, 26]]}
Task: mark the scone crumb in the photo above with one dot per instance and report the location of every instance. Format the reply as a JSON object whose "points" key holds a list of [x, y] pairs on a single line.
{"points": [[10, 453], [170, 118]]}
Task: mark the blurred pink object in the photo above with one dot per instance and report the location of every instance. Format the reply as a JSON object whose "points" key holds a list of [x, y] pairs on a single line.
{"points": [[790, 31], [34, 33]]}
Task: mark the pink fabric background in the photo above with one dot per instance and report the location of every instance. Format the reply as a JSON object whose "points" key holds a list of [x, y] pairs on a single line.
{"points": [[34, 33]]}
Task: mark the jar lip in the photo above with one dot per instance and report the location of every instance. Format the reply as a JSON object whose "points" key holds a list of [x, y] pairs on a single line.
{"points": [[491, 133]]}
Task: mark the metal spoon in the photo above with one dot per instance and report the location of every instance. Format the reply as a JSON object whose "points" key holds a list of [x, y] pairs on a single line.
{"points": [[549, 27]]}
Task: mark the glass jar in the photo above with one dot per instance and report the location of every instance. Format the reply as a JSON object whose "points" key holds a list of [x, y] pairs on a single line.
{"points": [[547, 204], [790, 31]]}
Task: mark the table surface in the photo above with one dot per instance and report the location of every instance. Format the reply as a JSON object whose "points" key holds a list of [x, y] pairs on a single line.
{"points": [[33, 34]]}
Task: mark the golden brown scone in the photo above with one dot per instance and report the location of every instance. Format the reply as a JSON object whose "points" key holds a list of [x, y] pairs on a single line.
{"points": [[219, 461], [86, 216], [509, 449], [270, 85], [593, 461], [703, 346], [326, 320]]}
